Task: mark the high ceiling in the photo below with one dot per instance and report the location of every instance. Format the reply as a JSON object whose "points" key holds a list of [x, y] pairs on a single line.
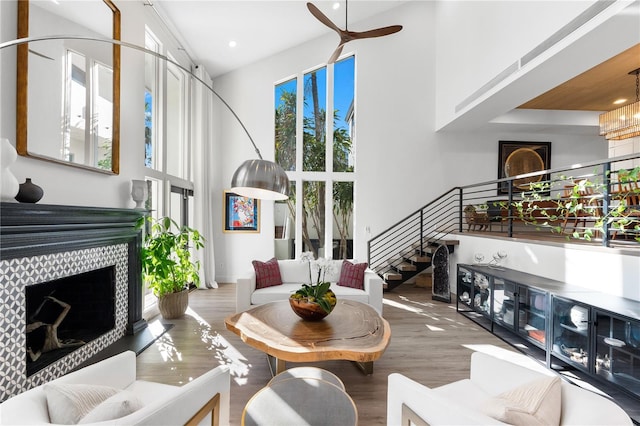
{"points": [[595, 89], [260, 28]]}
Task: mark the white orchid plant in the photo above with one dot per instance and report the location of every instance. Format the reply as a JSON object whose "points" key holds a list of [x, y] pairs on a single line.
{"points": [[320, 291]]}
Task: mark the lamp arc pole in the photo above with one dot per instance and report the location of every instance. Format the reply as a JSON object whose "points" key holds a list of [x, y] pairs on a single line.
{"points": [[254, 178]]}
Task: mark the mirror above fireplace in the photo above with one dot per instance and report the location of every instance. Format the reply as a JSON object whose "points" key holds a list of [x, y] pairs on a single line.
{"points": [[68, 91]]}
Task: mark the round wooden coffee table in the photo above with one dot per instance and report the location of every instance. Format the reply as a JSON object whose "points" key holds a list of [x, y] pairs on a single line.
{"points": [[353, 331]]}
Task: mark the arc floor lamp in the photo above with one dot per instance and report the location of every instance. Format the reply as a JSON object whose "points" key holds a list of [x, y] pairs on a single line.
{"points": [[255, 178]]}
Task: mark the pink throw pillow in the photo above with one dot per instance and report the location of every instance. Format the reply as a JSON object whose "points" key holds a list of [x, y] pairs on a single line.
{"points": [[267, 273], [352, 275]]}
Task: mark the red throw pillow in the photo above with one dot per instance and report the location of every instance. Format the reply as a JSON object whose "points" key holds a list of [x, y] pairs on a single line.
{"points": [[267, 273], [352, 275]]}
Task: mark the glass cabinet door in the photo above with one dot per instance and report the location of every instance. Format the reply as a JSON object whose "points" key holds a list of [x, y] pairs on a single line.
{"points": [[504, 303], [465, 287], [570, 332], [618, 351], [481, 294], [532, 305]]}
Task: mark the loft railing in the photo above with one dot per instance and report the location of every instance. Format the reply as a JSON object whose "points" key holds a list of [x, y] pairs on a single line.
{"points": [[594, 202]]}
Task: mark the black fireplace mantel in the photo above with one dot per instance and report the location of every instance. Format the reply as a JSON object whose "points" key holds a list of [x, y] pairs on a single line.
{"points": [[38, 229]]}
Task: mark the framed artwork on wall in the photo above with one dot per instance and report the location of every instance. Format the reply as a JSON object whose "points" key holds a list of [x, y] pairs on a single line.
{"points": [[241, 214], [518, 158]]}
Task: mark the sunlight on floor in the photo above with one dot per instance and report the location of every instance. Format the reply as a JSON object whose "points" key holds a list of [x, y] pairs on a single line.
{"points": [[225, 352], [405, 307], [417, 308]]}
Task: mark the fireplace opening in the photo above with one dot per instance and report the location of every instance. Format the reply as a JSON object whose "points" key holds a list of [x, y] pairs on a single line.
{"points": [[65, 314]]}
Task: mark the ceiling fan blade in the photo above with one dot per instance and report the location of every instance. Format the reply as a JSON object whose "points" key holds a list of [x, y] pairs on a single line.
{"points": [[336, 54], [378, 32], [322, 17]]}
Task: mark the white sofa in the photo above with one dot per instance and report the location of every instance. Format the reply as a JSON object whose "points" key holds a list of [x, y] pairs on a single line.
{"points": [[294, 273], [460, 403], [192, 403]]}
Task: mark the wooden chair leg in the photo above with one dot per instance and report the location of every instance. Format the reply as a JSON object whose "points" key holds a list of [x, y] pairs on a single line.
{"points": [[212, 406]]}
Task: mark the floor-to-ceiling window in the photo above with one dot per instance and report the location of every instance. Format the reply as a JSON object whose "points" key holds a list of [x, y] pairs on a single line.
{"points": [[167, 147], [314, 143]]}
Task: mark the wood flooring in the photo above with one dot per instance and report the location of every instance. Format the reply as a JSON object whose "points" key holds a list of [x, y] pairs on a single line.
{"points": [[430, 343]]}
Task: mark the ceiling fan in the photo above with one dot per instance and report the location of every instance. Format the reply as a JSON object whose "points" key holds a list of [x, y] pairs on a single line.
{"points": [[346, 35]]}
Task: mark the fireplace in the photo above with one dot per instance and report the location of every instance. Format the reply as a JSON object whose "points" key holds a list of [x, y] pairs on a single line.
{"points": [[56, 256], [67, 313]]}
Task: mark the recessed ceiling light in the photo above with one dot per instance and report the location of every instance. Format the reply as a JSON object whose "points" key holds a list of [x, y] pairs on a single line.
{"points": [[232, 43], [336, 6], [619, 101]]}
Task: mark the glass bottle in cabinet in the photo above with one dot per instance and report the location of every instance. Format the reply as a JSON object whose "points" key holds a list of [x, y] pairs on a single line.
{"points": [[504, 303], [570, 332], [618, 350], [532, 305]]}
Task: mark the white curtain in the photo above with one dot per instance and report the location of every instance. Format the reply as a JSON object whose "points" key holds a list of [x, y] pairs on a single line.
{"points": [[203, 174]]}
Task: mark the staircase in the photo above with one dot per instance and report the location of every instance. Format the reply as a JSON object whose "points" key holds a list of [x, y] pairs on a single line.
{"points": [[405, 249], [413, 260]]}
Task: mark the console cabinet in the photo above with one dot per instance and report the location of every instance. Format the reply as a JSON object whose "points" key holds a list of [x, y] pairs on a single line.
{"points": [[594, 332]]}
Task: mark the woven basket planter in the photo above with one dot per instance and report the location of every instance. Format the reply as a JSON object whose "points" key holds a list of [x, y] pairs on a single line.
{"points": [[173, 305]]}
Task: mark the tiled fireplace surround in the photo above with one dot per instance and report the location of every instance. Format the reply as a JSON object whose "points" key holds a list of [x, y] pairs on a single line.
{"points": [[40, 243]]}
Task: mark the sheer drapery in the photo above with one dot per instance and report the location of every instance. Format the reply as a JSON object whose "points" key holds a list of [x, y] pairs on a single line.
{"points": [[203, 174]]}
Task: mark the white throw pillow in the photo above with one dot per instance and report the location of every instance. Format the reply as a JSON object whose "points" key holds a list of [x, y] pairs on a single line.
{"points": [[534, 403], [119, 405], [68, 403]]}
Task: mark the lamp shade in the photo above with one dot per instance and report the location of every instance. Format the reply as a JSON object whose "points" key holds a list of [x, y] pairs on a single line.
{"points": [[261, 179]]}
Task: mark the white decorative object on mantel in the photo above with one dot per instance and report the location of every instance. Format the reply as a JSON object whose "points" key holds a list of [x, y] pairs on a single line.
{"points": [[9, 185], [139, 192]]}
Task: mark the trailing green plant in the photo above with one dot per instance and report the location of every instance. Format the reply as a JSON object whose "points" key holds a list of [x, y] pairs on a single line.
{"points": [[573, 204], [167, 266]]}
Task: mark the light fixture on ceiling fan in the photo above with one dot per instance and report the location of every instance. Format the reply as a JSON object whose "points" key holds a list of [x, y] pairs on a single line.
{"points": [[623, 122], [346, 35]]}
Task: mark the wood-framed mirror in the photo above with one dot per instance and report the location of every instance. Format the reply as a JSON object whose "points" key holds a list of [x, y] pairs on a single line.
{"points": [[68, 90]]}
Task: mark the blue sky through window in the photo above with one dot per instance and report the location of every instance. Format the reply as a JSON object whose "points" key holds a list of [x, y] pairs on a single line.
{"points": [[344, 88]]}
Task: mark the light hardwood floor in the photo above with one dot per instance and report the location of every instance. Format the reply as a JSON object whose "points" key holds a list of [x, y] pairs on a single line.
{"points": [[430, 343]]}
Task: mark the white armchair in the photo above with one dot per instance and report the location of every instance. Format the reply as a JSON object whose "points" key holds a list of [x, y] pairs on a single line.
{"points": [[463, 401], [193, 403]]}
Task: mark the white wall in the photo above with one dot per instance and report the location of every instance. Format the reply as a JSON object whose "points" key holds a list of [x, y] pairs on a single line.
{"points": [[401, 163]]}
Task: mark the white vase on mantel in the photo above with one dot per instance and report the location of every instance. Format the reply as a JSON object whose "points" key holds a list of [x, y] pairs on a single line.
{"points": [[9, 185]]}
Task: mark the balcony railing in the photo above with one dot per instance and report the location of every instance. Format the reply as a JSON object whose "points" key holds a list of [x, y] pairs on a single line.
{"points": [[594, 203]]}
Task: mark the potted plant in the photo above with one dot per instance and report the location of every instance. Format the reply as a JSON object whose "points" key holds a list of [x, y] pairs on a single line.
{"points": [[313, 302], [167, 266]]}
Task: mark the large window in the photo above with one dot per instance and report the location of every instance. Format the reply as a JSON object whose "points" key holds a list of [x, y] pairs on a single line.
{"points": [[314, 143], [167, 151]]}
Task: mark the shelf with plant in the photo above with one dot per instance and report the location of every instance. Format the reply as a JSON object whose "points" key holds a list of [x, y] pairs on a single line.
{"points": [[581, 199]]}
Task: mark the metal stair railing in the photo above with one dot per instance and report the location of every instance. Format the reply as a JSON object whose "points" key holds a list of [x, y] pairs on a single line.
{"points": [[552, 205]]}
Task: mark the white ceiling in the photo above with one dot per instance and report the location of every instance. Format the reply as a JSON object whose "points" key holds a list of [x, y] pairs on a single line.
{"points": [[260, 28]]}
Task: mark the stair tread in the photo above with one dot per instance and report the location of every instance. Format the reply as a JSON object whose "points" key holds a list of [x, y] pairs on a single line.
{"points": [[392, 276], [419, 259], [407, 267]]}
